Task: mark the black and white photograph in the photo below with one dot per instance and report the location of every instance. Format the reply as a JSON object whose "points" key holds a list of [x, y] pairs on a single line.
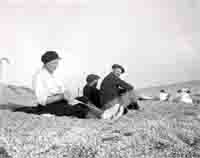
{"points": [[99, 79]]}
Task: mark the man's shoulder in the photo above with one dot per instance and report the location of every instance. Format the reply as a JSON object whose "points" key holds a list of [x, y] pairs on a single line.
{"points": [[109, 76], [106, 79]]}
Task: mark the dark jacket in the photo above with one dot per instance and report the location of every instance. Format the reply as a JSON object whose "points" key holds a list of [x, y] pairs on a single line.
{"points": [[93, 95], [111, 88]]}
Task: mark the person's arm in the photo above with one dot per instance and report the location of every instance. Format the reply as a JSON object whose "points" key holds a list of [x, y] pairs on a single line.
{"points": [[124, 85], [55, 98], [42, 94]]}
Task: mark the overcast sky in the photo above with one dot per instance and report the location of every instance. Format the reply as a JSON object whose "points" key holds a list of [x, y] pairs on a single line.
{"points": [[155, 40]]}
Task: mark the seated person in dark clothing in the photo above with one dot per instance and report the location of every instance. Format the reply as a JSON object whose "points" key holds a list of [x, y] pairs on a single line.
{"points": [[90, 90], [91, 96], [116, 91]]}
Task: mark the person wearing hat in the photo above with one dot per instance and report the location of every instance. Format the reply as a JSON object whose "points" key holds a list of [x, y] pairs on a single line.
{"points": [[92, 97], [50, 92], [114, 90], [90, 90]]}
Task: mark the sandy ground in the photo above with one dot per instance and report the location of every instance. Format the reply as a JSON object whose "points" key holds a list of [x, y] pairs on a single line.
{"points": [[162, 130]]}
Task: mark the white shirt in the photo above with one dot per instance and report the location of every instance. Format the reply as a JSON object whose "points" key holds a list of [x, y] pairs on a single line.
{"points": [[45, 84], [164, 96]]}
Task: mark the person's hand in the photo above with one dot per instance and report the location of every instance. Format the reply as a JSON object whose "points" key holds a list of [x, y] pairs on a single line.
{"points": [[73, 101], [68, 97]]}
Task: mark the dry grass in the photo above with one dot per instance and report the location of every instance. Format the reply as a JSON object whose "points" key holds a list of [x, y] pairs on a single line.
{"points": [[162, 130]]}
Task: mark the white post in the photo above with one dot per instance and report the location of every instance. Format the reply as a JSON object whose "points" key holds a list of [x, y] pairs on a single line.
{"points": [[78, 92], [3, 70], [3, 78]]}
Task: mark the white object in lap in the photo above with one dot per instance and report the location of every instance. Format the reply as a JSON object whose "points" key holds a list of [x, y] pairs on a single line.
{"points": [[47, 115]]}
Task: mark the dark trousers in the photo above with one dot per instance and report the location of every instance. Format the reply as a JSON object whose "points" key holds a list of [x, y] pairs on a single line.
{"points": [[60, 108]]}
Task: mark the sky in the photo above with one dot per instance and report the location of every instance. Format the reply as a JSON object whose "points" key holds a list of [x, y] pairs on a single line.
{"points": [[155, 40]]}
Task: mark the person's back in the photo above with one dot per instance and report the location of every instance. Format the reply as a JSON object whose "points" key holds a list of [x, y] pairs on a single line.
{"points": [[90, 91], [93, 94], [109, 88]]}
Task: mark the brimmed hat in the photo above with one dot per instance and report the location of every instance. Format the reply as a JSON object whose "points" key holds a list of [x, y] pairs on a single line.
{"points": [[114, 66], [162, 91], [49, 56], [90, 78]]}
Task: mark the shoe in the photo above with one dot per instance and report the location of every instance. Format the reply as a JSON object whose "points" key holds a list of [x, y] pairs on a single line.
{"points": [[119, 114], [111, 112], [125, 111], [133, 106]]}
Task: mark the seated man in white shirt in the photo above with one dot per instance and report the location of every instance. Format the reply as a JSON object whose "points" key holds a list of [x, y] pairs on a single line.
{"points": [[50, 93]]}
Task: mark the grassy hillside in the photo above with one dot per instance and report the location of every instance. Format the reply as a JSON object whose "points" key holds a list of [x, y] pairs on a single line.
{"points": [[162, 130]]}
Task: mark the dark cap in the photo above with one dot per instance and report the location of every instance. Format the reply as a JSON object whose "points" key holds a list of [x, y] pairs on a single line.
{"points": [[179, 91], [118, 66], [90, 78], [49, 56], [162, 91]]}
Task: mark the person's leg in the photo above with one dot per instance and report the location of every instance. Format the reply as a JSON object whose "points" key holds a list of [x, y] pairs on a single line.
{"points": [[30, 110], [129, 100], [111, 103], [60, 108], [109, 110], [39, 109], [93, 111], [112, 109]]}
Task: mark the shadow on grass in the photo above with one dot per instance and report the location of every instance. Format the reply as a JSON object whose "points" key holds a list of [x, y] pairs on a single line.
{"points": [[4, 153]]}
